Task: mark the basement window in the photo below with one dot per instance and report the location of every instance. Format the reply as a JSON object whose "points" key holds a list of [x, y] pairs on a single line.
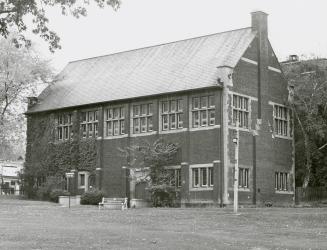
{"points": [[243, 178], [202, 177], [281, 181]]}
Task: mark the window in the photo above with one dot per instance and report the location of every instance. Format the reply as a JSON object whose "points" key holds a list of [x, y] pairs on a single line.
{"points": [[243, 178], [241, 111], [281, 120], [64, 127], [176, 178], [12, 183], [114, 123], [172, 114], [281, 181], [89, 124], [203, 111], [202, 177], [142, 118], [82, 179]]}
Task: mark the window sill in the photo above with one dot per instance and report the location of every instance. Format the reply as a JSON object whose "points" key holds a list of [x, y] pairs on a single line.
{"points": [[205, 128], [201, 189], [115, 137], [283, 192], [240, 189], [173, 131], [283, 137], [240, 129], [144, 134]]}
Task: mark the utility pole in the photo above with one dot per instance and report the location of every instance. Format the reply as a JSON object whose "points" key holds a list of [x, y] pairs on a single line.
{"points": [[236, 142]]}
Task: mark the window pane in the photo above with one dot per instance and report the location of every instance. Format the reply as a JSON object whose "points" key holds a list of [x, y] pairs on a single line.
{"points": [[136, 110], [211, 117], [211, 177], [143, 109], [66, 134], [204, 101], [204, 120], [178, 178], [136, 125], [179, 105], [143, 124], [246, 104], [122, 112], [109, 114], [60, 133], [195, 116], [150, 109], [82, 179], [164, 122], [90, 116], [180, 120], [195, 103], [95, 129], [109, 128], [116, 127], [172, 106], [83, 130], [116, 113], [211, 101], [65, 119], [204, 177], [235, 101], [60, 120], [83, 116], [90, 129], [246, 120], [195, 172], [164, 107], [122, 127], [150, 123], [96, 115], [172, 119]]}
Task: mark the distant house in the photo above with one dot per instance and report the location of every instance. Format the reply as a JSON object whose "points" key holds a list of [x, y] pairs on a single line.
{"points": [[193, 92], [9, 177]]}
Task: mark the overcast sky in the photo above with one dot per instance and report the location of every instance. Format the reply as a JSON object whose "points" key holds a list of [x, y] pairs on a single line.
{"points": [[295, 26]]}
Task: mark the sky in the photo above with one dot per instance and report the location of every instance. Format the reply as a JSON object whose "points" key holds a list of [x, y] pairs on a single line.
{"points": [[294, 26]]}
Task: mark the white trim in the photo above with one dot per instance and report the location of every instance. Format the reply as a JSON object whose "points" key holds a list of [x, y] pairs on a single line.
{"points": [[275, 103], [172, 167], [283, 137], [202, 165], [249, 60], [251, 98], [173, 131], [115, 137], [274, 69], [283, 192], [201, 189], [144, 134], [205, 128], [240, 129], [243, 189]]}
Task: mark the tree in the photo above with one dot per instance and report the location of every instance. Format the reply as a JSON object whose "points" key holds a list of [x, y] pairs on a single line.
{"points": [[309, 104], [153, 159], [21, 72], [12, 13]]}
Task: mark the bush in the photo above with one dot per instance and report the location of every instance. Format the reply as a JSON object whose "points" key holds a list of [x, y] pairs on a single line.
{"points": [[92, 197], [54, 194], [164, 196]]}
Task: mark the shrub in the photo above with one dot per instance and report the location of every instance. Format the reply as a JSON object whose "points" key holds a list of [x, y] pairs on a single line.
{"points": [[92, 197], [164, 196], [54, 194]]}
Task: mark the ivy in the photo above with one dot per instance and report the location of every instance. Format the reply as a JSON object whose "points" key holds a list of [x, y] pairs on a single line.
{"points": [[47, 157]]}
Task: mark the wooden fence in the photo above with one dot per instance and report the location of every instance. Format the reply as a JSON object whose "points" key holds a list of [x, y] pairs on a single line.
{"points": [[310, 194]]}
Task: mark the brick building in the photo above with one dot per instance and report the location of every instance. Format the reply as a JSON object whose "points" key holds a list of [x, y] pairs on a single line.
{"points": [[192, 92]]}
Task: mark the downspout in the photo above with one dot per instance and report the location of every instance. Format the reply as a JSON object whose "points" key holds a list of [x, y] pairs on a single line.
{"points": [[225, 78]]}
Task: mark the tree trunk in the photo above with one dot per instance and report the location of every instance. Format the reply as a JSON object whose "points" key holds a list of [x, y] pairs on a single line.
{"points": [[308, 161]]}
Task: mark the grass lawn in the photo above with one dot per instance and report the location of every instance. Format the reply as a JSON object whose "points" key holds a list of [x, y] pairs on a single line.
{"points": [[42, 225]]}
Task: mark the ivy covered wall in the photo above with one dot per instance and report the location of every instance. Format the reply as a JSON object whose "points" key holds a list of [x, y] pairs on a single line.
{"points": [[46, 156]]}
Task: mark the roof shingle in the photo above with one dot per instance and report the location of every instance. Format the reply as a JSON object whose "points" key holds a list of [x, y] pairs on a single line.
{"points": [[177, 66]]}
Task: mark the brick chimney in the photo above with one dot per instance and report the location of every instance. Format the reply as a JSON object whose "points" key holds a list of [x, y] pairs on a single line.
{"points": [[31, 101], [260, 25]]}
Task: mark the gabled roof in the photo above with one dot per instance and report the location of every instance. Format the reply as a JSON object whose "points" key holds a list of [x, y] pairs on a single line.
{"points": [[177, 66]]}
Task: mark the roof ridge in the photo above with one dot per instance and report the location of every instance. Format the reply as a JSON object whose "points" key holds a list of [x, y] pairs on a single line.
{"points": [[157, 45]]}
